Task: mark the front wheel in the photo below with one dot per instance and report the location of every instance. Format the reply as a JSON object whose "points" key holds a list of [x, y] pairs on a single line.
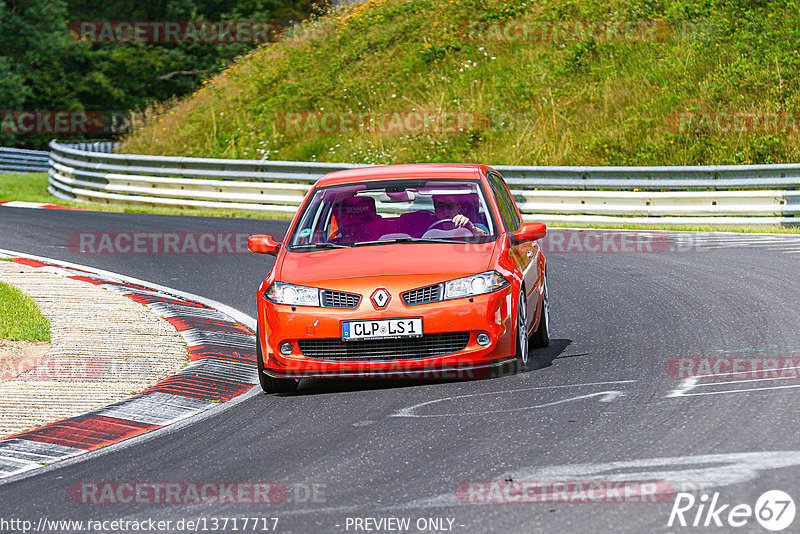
{"points": [[268, 383], [541, 337], [522, 331]]}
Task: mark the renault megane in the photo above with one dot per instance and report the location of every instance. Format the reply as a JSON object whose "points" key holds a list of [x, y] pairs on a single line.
{"points": [[406, 271]]}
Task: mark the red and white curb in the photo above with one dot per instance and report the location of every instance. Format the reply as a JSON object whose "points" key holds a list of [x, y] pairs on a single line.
{"points": [[223, 367], [33, 205]]}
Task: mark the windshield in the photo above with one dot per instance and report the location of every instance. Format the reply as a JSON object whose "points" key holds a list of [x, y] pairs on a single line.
{"points": [[395, 211]]}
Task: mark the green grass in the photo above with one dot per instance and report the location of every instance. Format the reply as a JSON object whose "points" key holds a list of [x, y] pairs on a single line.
{"points": [[20, 318], [29, 187], [685, 228], [33, 188], [558, 101]]}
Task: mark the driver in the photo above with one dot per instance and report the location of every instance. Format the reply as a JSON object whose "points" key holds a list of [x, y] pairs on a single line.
{"points": [[449, 207]]}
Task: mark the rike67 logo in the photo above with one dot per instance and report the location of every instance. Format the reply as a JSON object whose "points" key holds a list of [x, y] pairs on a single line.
{"points": [[774, 510]]}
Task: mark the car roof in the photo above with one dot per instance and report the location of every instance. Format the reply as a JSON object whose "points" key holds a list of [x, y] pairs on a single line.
{"points": [[412, 170]]}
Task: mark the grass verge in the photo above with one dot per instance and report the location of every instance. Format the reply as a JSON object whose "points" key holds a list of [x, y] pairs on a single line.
{"points": [[33, 188], [683, 228], [556, 82], [20, 318]]}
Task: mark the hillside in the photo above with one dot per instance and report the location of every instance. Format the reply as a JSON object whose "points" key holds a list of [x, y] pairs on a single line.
{"points": [[554, 82]]}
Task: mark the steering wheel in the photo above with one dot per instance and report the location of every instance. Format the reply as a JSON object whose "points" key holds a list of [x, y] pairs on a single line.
{"points": [[442, 221]]}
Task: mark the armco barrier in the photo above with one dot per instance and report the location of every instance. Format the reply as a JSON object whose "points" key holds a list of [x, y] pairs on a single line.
{"points": [[17, 160], [746, 194]]}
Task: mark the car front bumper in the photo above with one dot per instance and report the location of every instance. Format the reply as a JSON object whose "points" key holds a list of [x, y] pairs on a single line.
{"points": [[490, 314]]}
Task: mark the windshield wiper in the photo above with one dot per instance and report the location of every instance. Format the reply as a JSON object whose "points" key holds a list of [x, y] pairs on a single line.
{"points": [[405, 240], [319, 245]]}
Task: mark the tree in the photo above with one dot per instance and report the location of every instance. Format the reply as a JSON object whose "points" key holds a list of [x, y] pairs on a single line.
{"points": [[42, 68]]}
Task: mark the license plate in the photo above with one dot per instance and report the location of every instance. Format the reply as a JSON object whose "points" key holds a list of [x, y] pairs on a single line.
{"points": [[382, 328]]}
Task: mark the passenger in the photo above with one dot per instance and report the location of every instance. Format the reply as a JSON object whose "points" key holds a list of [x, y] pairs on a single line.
{"points": [[357, 220]]}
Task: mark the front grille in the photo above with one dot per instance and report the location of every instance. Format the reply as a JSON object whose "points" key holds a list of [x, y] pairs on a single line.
{"points": [[423, 295], [427, 346], [340, 299]]}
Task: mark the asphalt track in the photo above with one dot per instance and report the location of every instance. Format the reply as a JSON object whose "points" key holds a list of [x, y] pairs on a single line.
{"points": [[600, 403]]}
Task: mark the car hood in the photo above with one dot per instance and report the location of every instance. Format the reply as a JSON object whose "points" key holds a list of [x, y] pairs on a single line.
{"points": [[405, 259]]}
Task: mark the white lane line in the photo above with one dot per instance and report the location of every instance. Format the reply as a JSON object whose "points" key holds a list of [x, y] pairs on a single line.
{"points": [[734, 373], [711, 384], [683, 473], [606, 396], [727, 391], [688, 384]]}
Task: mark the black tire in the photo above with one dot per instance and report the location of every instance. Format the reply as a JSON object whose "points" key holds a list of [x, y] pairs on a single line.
{"points": [[523, 346], [541, 337], [268, 383]]}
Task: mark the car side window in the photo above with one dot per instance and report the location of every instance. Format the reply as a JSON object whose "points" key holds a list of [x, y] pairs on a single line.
{"points": [[504, 202]]}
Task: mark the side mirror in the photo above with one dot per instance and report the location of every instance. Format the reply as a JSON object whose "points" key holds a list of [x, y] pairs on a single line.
{"points": [[530, 231], [263, 244]]}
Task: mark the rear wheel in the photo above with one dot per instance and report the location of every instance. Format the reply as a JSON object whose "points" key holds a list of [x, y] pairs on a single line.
{"points": [[268, 383], [541, 337], [522, 331]]}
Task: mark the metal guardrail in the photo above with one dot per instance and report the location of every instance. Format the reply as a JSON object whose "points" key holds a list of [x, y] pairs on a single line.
{"points": [[747, 194], [18, 160]]}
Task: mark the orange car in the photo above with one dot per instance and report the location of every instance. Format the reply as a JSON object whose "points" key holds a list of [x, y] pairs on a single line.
{"points": [[406, 271]]}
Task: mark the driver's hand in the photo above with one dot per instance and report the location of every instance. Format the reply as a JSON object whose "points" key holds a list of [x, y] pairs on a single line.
{"points": [[461, 220]]}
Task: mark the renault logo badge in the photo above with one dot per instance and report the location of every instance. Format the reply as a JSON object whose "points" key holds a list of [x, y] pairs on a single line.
{"points": [[381, 298]]}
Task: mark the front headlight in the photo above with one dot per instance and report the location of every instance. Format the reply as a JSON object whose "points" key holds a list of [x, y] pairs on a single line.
{"points": [[282, 293], [477, 284]]}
